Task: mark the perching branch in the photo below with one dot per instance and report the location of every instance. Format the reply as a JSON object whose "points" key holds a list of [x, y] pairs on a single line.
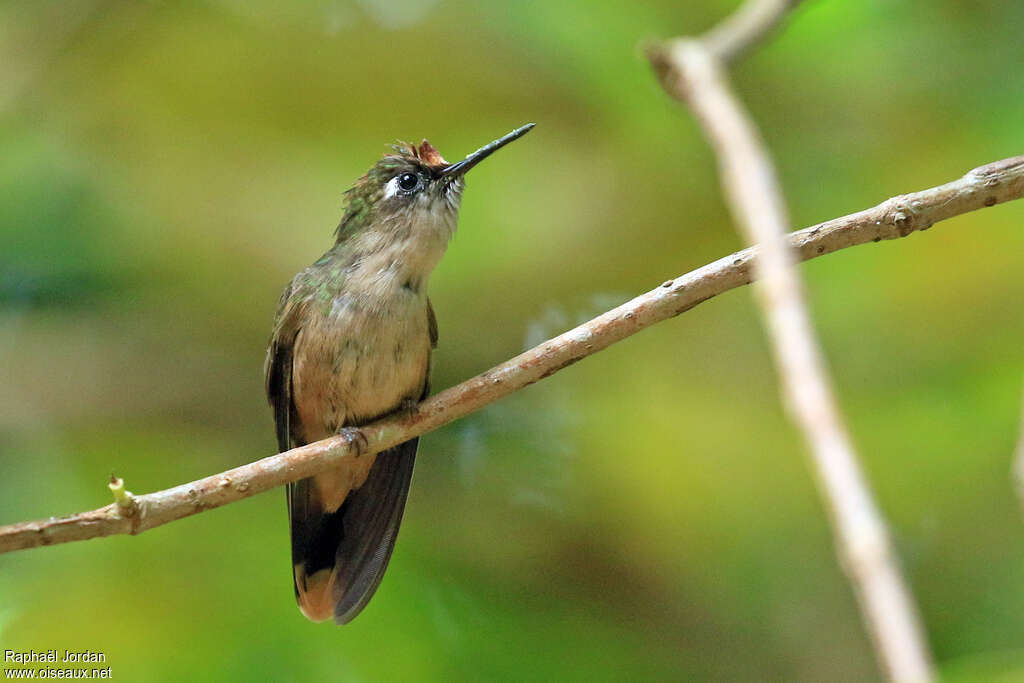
{"points": [[693, 72], [988, 185]]}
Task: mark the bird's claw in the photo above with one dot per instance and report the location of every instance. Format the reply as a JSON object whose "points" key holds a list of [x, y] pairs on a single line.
{"points": [[355, 438]]}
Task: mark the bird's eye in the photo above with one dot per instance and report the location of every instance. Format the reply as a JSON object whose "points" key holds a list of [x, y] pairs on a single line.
{"points": [[408, 182]]}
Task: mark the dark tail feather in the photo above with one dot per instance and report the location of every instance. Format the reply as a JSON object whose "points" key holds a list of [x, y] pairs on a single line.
{"points": [[339, 558]]}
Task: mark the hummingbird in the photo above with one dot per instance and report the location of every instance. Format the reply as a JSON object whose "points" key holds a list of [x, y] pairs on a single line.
{"points": [[351, 343]]}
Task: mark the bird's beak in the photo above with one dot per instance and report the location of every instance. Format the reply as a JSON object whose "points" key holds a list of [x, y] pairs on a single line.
{"points": [[460, 167]]}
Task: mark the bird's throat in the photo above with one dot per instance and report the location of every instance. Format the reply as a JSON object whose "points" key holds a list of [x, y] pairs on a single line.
{"points": [[397, 258]]}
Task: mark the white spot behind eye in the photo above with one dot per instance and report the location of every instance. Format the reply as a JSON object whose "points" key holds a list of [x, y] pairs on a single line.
{"points": [[391, 189]]}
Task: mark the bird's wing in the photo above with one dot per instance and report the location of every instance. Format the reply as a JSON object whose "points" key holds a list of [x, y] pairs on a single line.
{"points": [[277, 372], [277, 368], [369, 521], [432, 328]]}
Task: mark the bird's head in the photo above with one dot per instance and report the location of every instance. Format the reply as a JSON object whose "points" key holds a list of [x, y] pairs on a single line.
{"points": [[414, 186]]}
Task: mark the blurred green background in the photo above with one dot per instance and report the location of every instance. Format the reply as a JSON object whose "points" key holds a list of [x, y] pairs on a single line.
{"points": [[647, 514]]}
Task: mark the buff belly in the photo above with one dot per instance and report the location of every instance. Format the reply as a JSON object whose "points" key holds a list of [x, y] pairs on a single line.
{"points": [[353, 364]]}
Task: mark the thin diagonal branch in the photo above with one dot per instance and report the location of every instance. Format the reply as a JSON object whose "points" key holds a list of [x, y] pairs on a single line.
{"points": [[1001, 181], [745, 27], [693, 71], [1018, 459]]}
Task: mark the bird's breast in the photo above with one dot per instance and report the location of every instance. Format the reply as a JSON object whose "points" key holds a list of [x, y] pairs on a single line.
{"points": [[359, 357]]}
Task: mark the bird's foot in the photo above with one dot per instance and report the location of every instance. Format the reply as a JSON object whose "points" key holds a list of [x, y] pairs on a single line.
{"points": [[355, 438]]}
